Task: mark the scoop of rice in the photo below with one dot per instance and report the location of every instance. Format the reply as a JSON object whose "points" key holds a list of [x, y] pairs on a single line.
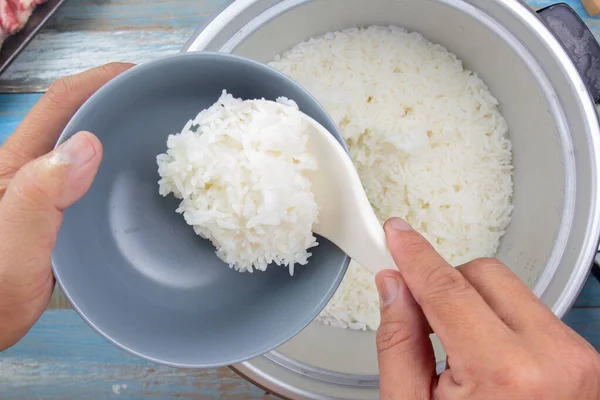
{"points": [[239, 169]]}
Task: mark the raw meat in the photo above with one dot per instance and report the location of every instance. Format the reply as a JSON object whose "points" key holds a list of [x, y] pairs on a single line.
{"points": [[14, 15]]}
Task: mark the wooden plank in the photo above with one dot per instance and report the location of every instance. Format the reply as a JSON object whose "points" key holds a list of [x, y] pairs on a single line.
{"points": [[586, 322], [13, 109], [590, 294], [62, 358], [85, 34], [52, 55], [122, 15]]}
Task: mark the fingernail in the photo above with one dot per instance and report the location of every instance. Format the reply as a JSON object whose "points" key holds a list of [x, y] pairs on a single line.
{"points": [[401, 225], [78, 150], [388, 290]]}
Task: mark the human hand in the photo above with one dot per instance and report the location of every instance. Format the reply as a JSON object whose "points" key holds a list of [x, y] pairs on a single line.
{"points": [[36, 185], [502, 341]]}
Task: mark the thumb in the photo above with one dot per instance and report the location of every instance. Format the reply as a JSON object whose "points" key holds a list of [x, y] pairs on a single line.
{"points": [[405, 354], [31, 212]]}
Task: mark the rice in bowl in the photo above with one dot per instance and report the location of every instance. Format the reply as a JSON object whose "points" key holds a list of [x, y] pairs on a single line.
{"points": [[234, 167]]}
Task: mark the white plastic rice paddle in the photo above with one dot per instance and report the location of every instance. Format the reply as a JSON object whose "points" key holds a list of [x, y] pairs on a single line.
{"points": [[346, 217]]}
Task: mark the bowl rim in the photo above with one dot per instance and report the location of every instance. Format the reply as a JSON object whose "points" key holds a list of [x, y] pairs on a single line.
{"points": [[60, 279]]}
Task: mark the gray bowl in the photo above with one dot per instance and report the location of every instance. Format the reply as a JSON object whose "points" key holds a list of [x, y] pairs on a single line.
{"points": [[130, 265]]}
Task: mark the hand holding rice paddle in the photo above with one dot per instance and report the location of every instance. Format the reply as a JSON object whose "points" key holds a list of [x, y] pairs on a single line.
{"points": [[502, 341]]}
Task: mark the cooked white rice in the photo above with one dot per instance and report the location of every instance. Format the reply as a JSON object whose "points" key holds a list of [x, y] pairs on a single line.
{"points": [[234, 167], [426, 137]]}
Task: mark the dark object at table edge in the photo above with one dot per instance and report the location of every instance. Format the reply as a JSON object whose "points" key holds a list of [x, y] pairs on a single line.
{"points": [[14, 44]]}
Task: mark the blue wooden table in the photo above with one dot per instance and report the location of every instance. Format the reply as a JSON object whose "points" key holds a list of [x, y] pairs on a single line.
{"points": [[62, 358]]}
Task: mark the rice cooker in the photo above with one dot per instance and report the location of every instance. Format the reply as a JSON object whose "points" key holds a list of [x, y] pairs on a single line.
{"points": [[544, 68]]}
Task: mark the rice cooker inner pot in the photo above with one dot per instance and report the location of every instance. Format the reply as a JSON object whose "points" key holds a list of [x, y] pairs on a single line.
{"points": [[530, 64]]}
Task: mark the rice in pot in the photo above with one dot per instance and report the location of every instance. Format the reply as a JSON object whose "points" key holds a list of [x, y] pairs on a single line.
{"points": [[426, 137]]}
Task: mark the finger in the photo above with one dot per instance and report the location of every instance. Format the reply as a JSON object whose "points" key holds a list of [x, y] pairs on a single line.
{"points": [[506, 294], [462, 320], [42, 126], [449, 389], [30, 216], [405, 353]]}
